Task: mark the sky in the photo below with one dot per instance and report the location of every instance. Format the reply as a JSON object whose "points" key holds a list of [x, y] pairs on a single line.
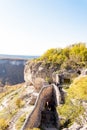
{"points": [[30, 27]]}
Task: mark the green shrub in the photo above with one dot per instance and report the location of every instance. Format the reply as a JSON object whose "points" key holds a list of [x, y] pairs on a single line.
{"points": [[3, 124], [19, 103], [70, 57], [70, 112], [78, 88]]}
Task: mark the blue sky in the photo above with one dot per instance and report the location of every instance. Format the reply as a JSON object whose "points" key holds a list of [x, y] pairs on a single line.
{"points": [[30, 27]]}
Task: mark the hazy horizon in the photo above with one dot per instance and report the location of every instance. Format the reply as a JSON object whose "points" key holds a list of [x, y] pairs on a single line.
{"points": [[17, 55], [30, 27]]}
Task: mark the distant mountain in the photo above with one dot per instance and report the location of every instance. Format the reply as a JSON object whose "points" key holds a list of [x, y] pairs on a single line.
{"points": [[23, 57], [12, 68]]}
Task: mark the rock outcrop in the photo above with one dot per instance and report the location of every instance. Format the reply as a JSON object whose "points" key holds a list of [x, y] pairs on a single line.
{"points": [[44, 113], [11, 71], [37, 72]]}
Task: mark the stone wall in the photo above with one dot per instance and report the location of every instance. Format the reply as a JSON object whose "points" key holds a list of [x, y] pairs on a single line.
{"points": [[46, 101]]}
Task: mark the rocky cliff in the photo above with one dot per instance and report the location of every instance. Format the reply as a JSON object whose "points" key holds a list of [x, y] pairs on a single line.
{"points": [[40, 73], [34, 70], [11, 71]]}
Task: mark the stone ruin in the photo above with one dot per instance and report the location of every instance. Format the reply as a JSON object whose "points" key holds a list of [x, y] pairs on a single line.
{"points": [[44, 114]]}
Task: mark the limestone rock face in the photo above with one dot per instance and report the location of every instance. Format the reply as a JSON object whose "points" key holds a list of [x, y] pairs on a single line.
{"points": [[36, 73], [11, 71]]}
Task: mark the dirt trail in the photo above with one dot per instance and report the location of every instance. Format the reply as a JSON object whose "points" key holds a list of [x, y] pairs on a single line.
{"points": [[14, 119], [17, 116], [6, 100]]}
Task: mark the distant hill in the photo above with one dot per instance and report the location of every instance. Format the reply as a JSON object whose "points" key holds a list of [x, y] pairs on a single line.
{"points": [[12, 68], [6, 56]]}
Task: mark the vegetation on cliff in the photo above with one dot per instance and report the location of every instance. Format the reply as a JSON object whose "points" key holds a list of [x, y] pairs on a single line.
{"points": [[78, 89], [70, 57]]}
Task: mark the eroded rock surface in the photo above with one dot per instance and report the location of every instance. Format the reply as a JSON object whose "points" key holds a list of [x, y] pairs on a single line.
{"points": [[37, 73]]}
